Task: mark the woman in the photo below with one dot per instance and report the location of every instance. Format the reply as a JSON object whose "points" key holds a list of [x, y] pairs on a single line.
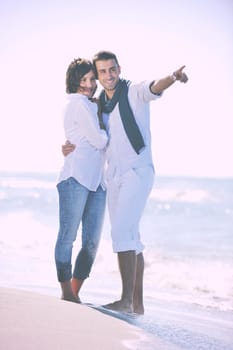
{"points": [[81, 195]]}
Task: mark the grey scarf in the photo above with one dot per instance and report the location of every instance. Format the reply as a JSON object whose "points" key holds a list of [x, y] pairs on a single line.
{"points": [[127, 117]]}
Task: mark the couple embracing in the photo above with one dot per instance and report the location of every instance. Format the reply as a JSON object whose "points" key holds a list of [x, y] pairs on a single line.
{"points": [[113, 130]]}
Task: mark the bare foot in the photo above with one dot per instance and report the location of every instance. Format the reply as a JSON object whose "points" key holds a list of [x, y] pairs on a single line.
{"points": [[71, 298], [67, 293], [138, 309], [119, 306], [78, 299]]}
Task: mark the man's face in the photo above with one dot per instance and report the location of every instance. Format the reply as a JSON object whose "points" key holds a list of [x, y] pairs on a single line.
{"points": [[108, 74]]}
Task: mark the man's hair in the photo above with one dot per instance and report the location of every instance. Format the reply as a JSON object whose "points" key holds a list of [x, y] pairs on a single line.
{"points": [[103, 56], [76, 70]]}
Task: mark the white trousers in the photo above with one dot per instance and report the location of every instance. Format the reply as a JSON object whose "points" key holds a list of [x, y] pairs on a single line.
{"points": [[127, 196]]}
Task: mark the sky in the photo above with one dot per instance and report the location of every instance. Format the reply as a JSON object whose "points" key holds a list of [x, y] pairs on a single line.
{"points": [[191, 125]]}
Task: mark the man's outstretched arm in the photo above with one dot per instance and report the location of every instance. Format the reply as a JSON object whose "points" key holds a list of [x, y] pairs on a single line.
{"points": [[162, 84]]}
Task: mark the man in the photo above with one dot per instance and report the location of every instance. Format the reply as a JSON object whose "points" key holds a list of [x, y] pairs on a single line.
{"points": [[130, 171]]}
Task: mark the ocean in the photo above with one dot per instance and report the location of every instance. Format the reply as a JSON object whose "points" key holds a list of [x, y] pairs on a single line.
{"points": [[187, 229]]}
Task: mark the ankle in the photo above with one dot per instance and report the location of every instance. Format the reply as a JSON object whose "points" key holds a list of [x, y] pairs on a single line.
{"points": [[76, 285]]}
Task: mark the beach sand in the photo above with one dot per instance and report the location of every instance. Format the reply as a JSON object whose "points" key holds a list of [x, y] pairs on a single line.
{"points": [[33, 321]]}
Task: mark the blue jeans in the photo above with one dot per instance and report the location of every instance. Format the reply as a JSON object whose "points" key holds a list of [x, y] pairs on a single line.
{"points": [[78, 204]]}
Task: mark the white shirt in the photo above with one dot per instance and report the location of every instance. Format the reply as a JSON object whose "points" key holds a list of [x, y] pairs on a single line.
{"points": [[81, 126], [120, 155]]}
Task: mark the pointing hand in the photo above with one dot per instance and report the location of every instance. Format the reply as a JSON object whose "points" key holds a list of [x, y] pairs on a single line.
{"points": [[180, 75]]}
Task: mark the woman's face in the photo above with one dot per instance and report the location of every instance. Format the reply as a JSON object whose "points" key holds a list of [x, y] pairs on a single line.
{"points": [[87, 85]]}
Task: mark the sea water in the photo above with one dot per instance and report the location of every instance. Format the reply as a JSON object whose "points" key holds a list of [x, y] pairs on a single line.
{"points": [[187, 229]]}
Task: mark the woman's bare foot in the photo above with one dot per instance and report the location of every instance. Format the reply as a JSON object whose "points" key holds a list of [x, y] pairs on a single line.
{"points": [[71, 297], [67, 293], [78, 299]]}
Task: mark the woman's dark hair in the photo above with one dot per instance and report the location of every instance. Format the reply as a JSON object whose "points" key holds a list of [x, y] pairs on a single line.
{"points": [[76, 70], [103, 56]]}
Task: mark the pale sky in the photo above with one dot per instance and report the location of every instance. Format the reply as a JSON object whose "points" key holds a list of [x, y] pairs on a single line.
{"points": [[191, 125]]}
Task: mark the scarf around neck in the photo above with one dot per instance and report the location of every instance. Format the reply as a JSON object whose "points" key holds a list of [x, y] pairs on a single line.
{"points": [[128, 120]]}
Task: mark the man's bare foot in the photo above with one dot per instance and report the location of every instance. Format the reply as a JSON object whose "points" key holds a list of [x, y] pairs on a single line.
{"points": [[138, 309], [119, 305]]}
